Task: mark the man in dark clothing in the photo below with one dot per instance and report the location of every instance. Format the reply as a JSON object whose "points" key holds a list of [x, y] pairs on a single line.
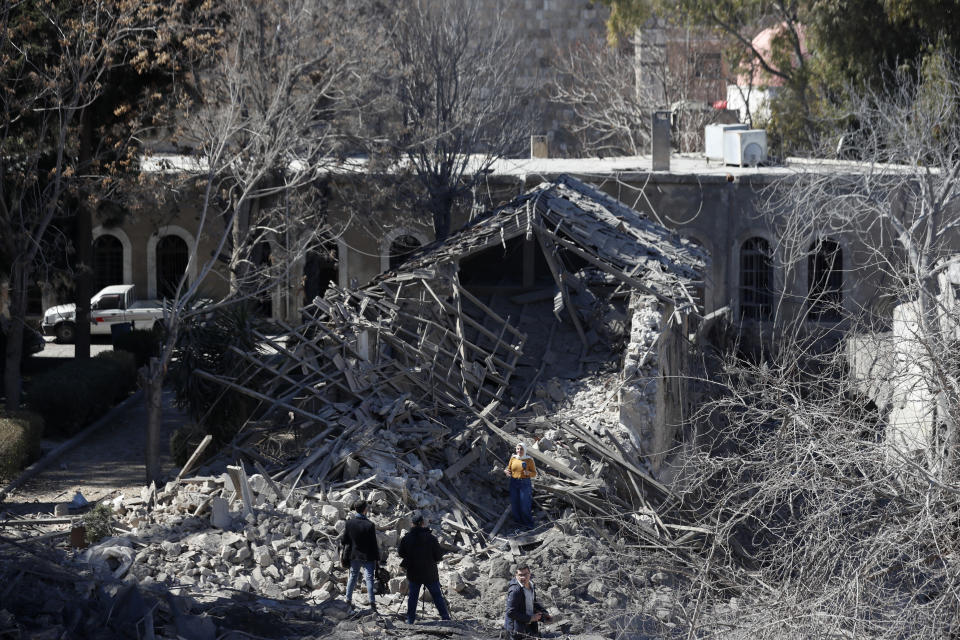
{"points": [[421, 552], [524, 610], [360, 540]]}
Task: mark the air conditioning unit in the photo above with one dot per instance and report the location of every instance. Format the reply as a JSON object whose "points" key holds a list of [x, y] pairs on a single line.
{"points": [[745, 148], [713, 138]]}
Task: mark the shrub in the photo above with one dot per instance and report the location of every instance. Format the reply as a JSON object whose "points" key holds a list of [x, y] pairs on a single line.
{"points": [[20, 434], [142, 343], [78, 391], [205, 343], [98, 523]]}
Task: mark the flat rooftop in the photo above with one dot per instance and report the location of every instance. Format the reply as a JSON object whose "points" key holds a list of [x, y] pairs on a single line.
{"points": [[683, 167]]}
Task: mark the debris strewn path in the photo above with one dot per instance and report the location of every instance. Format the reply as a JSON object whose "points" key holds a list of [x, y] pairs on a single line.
{"points": [[109, 462]]}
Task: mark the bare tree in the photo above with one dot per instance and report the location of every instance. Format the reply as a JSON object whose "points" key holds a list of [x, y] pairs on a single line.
{"points": [[263, 137], [829, 479], [613, 100], [455, 98], [597, 81]]}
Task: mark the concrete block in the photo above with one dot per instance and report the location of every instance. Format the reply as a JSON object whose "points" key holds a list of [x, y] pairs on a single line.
{"points": [[546, 444], [330, 513], [300, 574], [231, 539], [351, 467], [596, 589], [306, 531], [263, 556]]}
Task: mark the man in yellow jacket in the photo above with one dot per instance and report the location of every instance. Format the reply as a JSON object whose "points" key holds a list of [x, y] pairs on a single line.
{"points": [[521, 469]]}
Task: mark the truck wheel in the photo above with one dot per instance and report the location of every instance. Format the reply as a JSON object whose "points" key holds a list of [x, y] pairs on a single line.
{"points": [[66, 332]]}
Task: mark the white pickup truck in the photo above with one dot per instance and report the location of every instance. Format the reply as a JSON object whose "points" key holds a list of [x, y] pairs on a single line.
{"points": [[112, 305]]}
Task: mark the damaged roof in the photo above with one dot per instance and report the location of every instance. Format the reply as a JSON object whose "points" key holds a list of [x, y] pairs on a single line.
{"points": [[591, 224]]}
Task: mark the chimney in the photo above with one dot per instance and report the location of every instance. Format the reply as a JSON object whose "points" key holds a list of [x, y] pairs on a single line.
{"points": [[538, 147], [660, 139]]}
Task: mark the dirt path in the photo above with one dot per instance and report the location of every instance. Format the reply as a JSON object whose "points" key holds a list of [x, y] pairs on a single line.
{"points": [[107, 463]]}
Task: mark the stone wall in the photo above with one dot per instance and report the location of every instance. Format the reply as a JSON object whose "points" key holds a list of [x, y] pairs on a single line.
{"points": [[550, 27]]}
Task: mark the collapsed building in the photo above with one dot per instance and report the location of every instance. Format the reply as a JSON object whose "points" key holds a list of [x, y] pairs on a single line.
{"points": [[460, 325], [561, 319]]}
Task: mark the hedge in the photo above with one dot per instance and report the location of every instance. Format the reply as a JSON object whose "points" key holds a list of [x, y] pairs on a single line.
{"points": [[20, 434], [142, 343], [79, 391]]}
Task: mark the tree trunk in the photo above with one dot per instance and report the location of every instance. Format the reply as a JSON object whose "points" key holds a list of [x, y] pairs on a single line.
{"points": [[12, 378], [84, 247], [441, 205], [151, 380]]}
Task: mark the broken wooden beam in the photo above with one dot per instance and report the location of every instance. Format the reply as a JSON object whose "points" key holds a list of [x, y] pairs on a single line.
{"points": [[207, 439]]}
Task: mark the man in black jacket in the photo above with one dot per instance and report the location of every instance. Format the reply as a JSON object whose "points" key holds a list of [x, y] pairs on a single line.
{"points": [[421, 552], [360, 539], [524, 611]]}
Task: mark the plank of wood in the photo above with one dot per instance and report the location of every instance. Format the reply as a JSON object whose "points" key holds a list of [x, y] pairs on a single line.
{"points": [[503, 518], [357, 485], [557, 271], [207, 439], [461, 464], [35, 522]]}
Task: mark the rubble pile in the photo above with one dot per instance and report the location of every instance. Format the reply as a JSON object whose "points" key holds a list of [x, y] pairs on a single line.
{"points": [[288, 552]]}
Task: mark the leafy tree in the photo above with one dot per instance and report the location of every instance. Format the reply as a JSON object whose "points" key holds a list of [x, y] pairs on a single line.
{"points": [[849, 42], [53, 57], [85, 84]]}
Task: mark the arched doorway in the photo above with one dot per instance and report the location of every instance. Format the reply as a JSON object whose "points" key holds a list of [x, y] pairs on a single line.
{"points": [[172, 258], [107, 261]]}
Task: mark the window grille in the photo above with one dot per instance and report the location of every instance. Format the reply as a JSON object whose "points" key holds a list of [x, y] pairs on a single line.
{"points": [[756, 280]]}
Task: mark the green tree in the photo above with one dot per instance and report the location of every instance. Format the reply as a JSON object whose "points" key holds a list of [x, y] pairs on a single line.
{"points": [[53, 57], [85, 84], [819, 49]]}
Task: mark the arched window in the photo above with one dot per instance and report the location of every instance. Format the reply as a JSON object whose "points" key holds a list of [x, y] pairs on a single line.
{"points": [[172, 257], [402, 247], [756, 280], [107, 261], [824, 280]]}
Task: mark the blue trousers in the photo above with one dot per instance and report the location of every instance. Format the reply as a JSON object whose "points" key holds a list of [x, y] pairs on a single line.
{"points": [[355, 566], [435, 593], [521, 501]]}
